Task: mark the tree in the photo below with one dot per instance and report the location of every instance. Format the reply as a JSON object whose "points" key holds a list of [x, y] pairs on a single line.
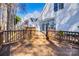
{"points": [[17, 19]]}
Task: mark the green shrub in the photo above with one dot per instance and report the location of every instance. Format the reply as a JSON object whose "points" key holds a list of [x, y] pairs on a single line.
{"points": [[61, 33], [17, 19]]}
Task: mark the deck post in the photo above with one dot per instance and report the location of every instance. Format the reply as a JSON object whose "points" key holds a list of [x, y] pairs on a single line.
{"points": [[47, 31]]}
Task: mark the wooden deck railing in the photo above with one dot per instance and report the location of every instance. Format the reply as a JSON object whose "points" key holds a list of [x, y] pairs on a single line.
{"points": [[16, 35], [64, 35], [12, 36]]}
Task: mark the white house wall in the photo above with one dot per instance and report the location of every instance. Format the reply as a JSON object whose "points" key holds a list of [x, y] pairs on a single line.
{"points": [[68, 17], [47, 12]]}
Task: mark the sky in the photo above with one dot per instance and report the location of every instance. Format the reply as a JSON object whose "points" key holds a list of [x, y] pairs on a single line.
{"points": [[26, 8]]}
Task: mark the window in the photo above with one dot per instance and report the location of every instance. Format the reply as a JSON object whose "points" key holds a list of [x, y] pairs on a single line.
{"points": [[55, 7], [61, 5], [58, 6]]}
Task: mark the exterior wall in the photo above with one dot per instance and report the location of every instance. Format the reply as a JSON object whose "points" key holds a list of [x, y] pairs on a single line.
{"points": [[7, 16], [67, 19], [47, 12], [47, 16], [3, 16], [48, 22]]}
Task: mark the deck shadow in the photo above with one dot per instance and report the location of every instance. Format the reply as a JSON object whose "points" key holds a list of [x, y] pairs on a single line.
{"points": [[5, 50]]}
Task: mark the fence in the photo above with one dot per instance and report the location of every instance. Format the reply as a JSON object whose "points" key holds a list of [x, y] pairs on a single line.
{"points": [[64, 35], [11, 36], [16, 35]]}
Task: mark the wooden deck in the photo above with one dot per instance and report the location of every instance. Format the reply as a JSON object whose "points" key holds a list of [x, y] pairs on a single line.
{"points": [[39, 45]]}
